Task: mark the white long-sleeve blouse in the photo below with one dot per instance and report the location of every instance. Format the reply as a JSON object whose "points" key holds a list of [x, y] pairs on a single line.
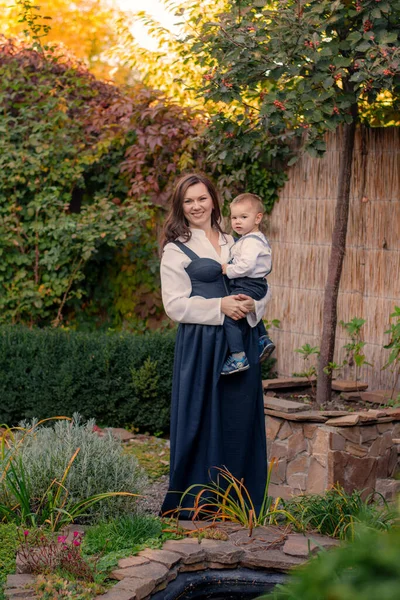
{"points": [[176, 286]]}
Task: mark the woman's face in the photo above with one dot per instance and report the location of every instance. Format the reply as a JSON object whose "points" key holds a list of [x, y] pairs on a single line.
{"points": [[198, 206]]}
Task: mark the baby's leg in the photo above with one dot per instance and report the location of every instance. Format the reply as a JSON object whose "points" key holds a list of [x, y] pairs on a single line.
{"points": [[237, 359], [233, 335]]}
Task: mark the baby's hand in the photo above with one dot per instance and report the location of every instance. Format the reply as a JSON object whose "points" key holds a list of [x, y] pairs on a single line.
{"points": [[224, 269]]}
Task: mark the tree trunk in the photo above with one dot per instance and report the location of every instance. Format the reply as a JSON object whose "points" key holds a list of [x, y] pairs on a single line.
{"points": [[324, 380]]}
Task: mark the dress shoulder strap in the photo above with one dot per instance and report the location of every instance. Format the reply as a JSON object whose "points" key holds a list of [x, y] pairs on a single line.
{"points": [[254, 236], [192, 255]]}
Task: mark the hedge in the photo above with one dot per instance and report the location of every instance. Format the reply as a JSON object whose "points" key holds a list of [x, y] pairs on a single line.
{"points": [[115, 378]]}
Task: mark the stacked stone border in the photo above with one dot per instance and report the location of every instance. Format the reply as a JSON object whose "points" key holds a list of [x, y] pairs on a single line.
{"points": [[315, 450], [139, 577]]}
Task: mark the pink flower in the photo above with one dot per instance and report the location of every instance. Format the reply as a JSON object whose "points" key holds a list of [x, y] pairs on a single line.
{"points": [[61, 539], [26, 533], [75, 534], [76, 542]]}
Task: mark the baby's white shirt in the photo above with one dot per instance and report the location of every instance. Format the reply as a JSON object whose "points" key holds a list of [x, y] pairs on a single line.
{"points": [[251, 257]]}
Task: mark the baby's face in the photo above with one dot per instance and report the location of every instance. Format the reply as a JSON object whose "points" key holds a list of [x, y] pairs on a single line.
{"points": [[244, 217]]}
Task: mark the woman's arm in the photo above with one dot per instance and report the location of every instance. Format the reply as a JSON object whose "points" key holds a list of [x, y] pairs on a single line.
{"points": [[260, 306], [176, 288]]}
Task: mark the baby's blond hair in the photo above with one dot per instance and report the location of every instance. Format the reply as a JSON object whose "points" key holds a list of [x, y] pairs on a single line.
{"points": [[253, 198]]}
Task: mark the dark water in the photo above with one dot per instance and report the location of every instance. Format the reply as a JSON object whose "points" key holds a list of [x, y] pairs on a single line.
{"points": [[235, 584]]}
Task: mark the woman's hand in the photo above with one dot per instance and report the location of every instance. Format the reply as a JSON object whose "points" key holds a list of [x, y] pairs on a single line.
{"points": [[247, 302], [237, 306]]}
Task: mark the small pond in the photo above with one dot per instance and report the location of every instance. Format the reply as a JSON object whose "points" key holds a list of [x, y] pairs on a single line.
{"points": [[229, 584]]}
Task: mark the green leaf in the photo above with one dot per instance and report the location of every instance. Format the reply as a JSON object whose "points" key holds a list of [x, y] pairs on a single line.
{"points": [[363, 47], [325, 51], [293, 161], [312, 151], [386, 37], [385, 7], [328, 82], [342, 61], [354, 36]]}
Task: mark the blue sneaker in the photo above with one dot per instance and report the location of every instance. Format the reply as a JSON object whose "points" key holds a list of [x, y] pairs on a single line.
{"points": [[266, 347], [234, 365]]}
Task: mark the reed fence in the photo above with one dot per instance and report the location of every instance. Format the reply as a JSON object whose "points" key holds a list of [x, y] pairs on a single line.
{"points": [[300, 229]]}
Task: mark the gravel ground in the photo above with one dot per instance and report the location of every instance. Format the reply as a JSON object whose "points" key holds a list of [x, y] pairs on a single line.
{"points": [[153, 495]]}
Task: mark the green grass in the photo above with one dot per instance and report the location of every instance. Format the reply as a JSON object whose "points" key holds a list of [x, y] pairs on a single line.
{"points": [[119, 534], [8, 549], [336, 513], [105, 543], [152, 454]]}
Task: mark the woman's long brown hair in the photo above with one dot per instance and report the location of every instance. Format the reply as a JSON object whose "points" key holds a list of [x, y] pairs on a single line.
{"points": [[176, 225]]}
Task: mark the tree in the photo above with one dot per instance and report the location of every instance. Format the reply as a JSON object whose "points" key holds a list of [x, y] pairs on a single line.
{"points": [[86, 28], [296, 70]]}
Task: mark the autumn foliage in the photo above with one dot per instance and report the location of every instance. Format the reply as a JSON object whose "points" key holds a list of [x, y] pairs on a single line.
{"points": [[84, 167]]}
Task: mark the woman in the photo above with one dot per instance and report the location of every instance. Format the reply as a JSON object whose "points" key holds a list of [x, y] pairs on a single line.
{"points": [[215, 421]]}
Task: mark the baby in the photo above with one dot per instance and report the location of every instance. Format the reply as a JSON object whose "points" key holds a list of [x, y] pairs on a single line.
{"points": [[250, 262]]}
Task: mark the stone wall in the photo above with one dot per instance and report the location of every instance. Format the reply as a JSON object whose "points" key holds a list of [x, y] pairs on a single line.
{"points": [[314, 451]]}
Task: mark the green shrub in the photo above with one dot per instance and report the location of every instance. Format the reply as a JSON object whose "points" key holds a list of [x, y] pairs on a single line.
{"points": [[47, 372], [8, 550], [268, 368], [366, 569], [100, 466]]}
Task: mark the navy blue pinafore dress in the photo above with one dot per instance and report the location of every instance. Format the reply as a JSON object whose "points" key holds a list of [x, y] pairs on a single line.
{"points": [[216, 421]]}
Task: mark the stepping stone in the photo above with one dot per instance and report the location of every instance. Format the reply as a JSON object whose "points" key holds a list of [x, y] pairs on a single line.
{"points": [[132, 561], [303, 546], [286, 406], [270, 559], [287, 382], [224, 553], [166, 558], [138, 588], [345, 385], [334, 413], [19, 580], [378, 397], [310, 415], [347, 421], [154, 571], [190, 550], [368, 417], [351, 396], [120, 433]]}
